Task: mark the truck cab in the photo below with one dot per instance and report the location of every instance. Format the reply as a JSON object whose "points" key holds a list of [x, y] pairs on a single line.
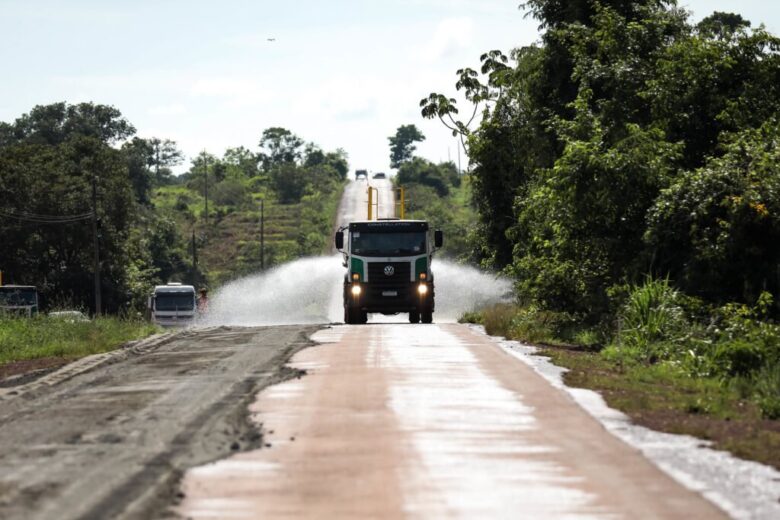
{"points": [[173, 305], [19, 300], [389, 271]]}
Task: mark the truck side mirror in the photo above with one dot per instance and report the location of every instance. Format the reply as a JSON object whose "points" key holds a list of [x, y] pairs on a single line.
{"points": [[339, 240], [438, 238]]}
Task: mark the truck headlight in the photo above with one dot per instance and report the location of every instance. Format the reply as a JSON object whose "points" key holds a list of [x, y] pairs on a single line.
{"points": [[422, 289], [356, 290]]}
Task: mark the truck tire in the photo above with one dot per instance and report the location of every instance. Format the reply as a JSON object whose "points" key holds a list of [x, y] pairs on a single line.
{"points": [[353, 316], [426, 316], [414, 317]]}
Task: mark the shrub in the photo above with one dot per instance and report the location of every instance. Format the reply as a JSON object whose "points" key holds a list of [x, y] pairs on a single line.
{"points": [[498, 319], [652, 323], [738, 357], [767, 387]]}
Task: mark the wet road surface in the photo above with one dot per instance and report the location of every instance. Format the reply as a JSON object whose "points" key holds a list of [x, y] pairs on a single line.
{"points": [[112, 442], [429, 421]]}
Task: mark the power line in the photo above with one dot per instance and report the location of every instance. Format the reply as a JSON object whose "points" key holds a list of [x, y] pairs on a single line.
{"points": [[44, 219]]}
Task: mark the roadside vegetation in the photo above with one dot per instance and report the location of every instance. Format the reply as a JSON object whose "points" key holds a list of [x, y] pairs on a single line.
{"points": [[625, 174], [438, 193], [47, 341], [201, 228], [298, 185]]}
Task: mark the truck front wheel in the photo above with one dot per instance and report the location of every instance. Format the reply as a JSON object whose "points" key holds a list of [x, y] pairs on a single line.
{"points": [[426, 316], [353, 316], [414, 317]]}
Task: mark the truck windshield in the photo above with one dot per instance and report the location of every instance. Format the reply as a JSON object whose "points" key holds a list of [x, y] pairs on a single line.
{"points": [[15, 297], [174, 302], [388, 244]]}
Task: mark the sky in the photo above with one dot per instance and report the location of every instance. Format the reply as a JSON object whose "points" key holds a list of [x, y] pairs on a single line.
{"points": [[339, 73]]}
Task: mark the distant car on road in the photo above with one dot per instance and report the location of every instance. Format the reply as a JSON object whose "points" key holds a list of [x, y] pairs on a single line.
{"points": [[361, 173], [380, 175]]}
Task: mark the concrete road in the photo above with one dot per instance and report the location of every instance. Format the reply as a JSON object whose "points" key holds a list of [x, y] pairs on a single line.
{"points": [[429, 421], [354, 202], [112, 442]]}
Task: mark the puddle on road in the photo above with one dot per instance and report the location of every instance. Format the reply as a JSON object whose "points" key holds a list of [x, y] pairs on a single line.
{"points": [[468, 433]]}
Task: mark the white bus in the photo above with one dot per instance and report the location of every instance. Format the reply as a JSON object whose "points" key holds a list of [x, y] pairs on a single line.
{"points": [[19, 300], [173, 305]]}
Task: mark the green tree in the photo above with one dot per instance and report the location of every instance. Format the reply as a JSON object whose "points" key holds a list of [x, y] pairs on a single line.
{"points": [[337, 161], [441, 177], [279, 146], [716, 229], [241, 162], [402, 144], [289, 181], [140, 154], [165, 154], [53, 124]]}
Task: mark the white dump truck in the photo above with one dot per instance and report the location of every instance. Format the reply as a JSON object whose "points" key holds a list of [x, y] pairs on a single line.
{"points": [[173, 305]]}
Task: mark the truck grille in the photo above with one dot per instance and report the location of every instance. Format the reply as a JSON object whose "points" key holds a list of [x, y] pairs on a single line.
{"points": [[399, 281]]}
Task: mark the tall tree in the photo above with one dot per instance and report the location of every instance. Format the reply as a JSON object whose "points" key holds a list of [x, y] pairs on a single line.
{"points": [[165, 155], [279, 146], [402, 144], [140, 155]]}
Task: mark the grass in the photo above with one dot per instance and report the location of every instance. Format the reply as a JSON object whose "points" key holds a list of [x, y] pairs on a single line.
{"points": [[663, 395], [45, 337], [230, 245], [666, 399]]}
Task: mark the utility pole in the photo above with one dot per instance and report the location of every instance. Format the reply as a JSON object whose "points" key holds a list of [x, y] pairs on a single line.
{"points": [[206, 184], [194, 251], [96, 241], [459, 170], [262, 236]]}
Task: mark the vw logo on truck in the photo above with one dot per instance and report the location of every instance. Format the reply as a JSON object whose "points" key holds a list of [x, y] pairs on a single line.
{"points": [[389, 270]]}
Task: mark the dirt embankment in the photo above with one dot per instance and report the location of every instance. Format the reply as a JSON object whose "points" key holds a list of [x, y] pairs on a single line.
{"points": [[113, 441]]}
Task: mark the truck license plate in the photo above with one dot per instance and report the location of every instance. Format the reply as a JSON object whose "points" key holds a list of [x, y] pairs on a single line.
{"points": [[389, 293]]}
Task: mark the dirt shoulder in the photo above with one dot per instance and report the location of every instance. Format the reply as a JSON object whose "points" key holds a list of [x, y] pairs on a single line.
{"points": [[113, 441], [664, 401]]}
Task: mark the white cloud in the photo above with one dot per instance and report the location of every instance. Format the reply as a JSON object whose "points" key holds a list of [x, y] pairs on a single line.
{"points": [[174, 109], [451, 35], [236, 92]]}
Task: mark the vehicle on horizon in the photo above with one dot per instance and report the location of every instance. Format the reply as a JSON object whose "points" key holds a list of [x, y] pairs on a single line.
{"points": [[388, 265], [19, 300], [173, 305], [380, 175], [361, 173]]}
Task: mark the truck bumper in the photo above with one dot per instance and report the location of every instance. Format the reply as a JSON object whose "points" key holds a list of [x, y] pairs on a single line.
{"points": [[390, 300]]}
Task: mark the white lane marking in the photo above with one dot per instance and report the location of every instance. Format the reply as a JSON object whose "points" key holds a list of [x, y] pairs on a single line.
{"points": [[467, 431]]}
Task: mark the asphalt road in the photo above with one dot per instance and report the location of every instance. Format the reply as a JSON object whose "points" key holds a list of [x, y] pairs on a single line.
{"points": [[112, 442]]}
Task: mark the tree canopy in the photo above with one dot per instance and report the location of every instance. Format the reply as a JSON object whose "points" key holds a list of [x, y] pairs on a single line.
{"points": [[627, 142], [402, 144]]}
